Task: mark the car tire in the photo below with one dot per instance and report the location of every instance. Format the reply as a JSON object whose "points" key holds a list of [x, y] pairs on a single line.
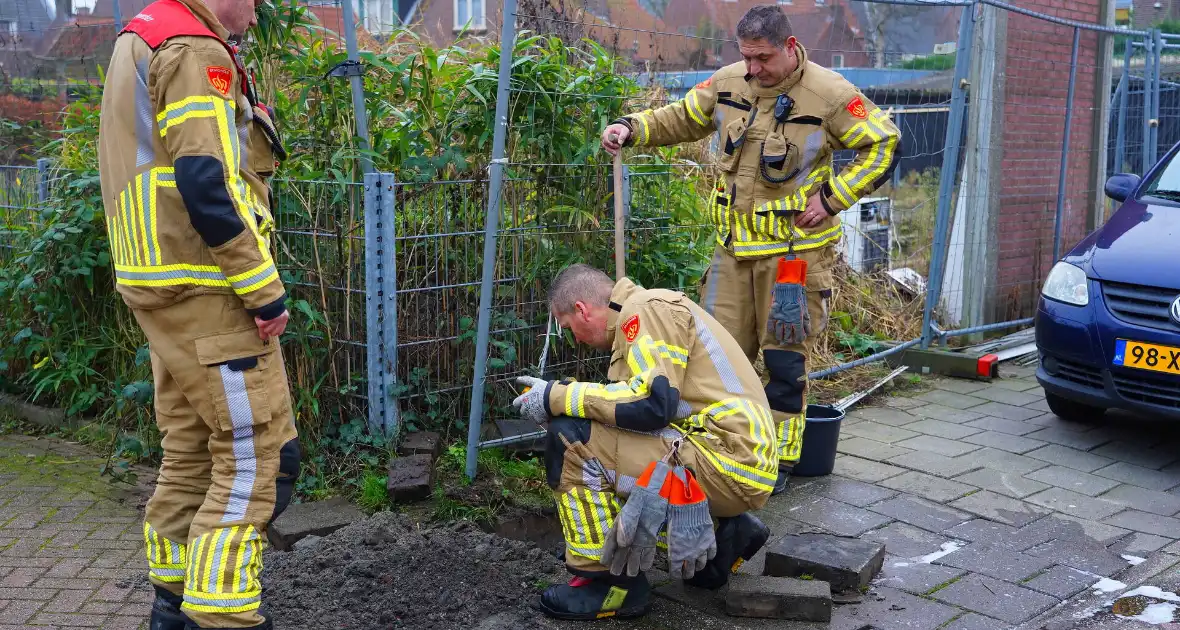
{"points": [[1072, 410]]}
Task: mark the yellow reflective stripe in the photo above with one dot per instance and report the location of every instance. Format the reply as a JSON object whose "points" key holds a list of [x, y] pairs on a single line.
{"points": [[645, 130], [125, 220], [692, 106], [153, 233], [189, 108], [254, 279], [597, 535]]}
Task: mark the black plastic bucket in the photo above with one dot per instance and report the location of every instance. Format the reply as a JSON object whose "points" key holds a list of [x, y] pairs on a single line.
{"points": [[820, 436]]}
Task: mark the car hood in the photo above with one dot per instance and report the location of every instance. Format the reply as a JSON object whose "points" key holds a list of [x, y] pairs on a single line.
{"points": [[1135, 246]]}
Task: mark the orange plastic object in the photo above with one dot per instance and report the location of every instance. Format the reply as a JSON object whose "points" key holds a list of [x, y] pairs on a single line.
{"points": [[792, 271]]}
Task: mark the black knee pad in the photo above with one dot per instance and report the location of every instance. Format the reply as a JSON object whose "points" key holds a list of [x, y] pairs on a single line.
{"points": [[573, 430], [289, 456], [787, 369]]}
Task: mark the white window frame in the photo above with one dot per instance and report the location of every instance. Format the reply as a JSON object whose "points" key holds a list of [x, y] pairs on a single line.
{"points": [[840, 57], [478, 23]]}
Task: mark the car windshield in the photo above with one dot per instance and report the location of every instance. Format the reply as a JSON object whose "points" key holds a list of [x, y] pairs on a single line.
{"points": [[1165, 184]]}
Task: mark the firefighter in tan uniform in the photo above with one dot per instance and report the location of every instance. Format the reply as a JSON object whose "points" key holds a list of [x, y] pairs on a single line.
{"points": [[682, 394], [779, 118], [184, 153]]}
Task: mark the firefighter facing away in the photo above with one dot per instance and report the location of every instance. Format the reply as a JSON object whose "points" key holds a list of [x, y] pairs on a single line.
{"points": [[682, 432], [185, 150], [775, 203]]}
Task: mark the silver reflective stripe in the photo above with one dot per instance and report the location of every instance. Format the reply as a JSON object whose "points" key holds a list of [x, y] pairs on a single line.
{"points": [[641, 364], [200, 106], [167, 572], [173, 274], [218, 561], [143, 181], [683, 409], [625, 484], [717, 355], [193, 600], [243, 137], [810, 151], [881, 158], [259, 275], [145, 152], [711, 289], [245, 463], [244, 561], [575, 394], [169, 176]]}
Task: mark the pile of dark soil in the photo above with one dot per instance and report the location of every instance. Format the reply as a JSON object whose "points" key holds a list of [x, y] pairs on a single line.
{"points": [[386, 573]]}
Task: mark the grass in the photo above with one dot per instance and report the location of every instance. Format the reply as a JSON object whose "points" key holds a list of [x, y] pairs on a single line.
{"points": [[505, 483], [1032, 577], [943, 585]]}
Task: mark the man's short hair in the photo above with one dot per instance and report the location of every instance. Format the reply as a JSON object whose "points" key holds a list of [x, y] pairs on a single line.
{"points": [[579, 282], [765, 21]]}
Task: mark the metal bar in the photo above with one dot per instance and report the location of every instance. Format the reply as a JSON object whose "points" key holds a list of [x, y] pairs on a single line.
{"points": [[513, 439], [950, 167], [1155, 101], [1121, 135], [117, 13], [43, 179], [387, 268], [836, 369], [1147, 73], [1073, 79], [1056, 20], [492, 225], [985, 328], [372, 305], [358, 87]]}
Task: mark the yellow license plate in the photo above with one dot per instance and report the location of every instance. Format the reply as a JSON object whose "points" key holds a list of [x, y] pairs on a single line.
{"points": [[1146, 356]]}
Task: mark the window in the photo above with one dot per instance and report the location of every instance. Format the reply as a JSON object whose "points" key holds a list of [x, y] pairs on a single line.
{"points": [[819, 3], [470, 14], [837, 61], [786, 2], [8, 27]]}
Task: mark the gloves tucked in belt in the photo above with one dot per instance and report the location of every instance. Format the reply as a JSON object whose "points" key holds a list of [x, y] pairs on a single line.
{"points": [[531, 404], [631, 542], [691, 541], [789, 321]]}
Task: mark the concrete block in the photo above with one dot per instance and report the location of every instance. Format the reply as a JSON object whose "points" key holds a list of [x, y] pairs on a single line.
{"points": [[778, 598], [410, 478], [845, 563], [318, 518], [421, 443]]}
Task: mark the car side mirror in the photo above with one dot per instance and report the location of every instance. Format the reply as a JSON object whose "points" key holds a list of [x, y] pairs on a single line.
{"points": [[1120, 186]]}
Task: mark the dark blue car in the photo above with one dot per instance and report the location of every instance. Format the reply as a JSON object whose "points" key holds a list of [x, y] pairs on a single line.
{"points": [[1108, 322]]}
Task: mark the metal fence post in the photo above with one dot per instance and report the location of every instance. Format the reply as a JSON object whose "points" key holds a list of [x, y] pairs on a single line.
{"points": [[354, 70], [1073, 76], [117, 13], [491, 227], [373, 349], [1158, 48], [1148, 56], [1120, 143], [43, 179], [950, 167]]}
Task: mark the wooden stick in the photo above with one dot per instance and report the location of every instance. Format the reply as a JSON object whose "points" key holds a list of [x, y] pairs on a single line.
{"points": [[620, 252]]}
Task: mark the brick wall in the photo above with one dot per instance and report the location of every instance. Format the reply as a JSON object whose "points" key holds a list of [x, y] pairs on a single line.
{"points": [[1146, 14], [1035, 96]]}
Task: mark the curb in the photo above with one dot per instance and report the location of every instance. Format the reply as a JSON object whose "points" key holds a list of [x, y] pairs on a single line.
{"points": [[41, 416]]}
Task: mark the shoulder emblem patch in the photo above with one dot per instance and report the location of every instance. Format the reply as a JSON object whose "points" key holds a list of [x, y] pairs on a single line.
{"points": [[856, 107], [631, 328], [220, 78], [704, 84]]}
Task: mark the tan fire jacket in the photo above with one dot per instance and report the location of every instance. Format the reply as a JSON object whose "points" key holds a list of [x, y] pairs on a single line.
{"points": [[184, 151], [770, 167], [673, 365]]}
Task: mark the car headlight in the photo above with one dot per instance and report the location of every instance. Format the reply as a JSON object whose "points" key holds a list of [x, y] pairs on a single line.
{"points": [[1067, 283]]}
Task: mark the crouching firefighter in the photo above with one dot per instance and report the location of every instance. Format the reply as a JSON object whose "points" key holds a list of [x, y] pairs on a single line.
{"points": [[185, 150], [682, 433]]}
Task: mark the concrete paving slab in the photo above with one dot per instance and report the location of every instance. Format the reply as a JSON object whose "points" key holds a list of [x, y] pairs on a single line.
{"points": [[885, 415], [1006, 412], [849, 491], [1145, 522], [1004, 442], [1173, 548], [1160, 480], [983, 530], [995, 598], [1020, 385], [921, 513], [918, 578], [1065, 526], [1051, 421], [951, 399], [880, 432], [1140, 544], [1011, 427], [1070, 457], [948, 430], [937, 445], [836, 517], [1007, 484], [1004, 461], [1137, 455], [975, 621], [1075, 480], [959, 385], [906, 541], [944, 413], [1083, 441], [778, 598], [890, 609], [1092, 557], [1145, 500], [1040, 405], [935, 464], [843, 562], [1006, 395], [869, 449], [1074, 504], [864, 469], [997, 562], [1061, 581], [930, 487], [901, 402], [997, 507]]}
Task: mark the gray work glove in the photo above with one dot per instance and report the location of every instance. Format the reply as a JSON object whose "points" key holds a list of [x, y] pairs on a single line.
{"points": [[531, 404], [789, 320], [691, 541], [631, 542]]}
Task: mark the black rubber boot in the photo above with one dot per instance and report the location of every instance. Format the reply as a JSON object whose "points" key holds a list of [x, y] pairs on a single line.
{"points": [[738, 539], [598, 598], [784, 478], [166, 613]]}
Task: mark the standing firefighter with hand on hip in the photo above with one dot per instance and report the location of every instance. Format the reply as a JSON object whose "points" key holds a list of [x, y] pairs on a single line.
{"points": [[185, 150], [683, 433], [779, 117]]}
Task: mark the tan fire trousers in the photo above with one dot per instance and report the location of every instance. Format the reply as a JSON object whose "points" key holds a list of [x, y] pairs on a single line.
{"points": [[231, 456], [601, 465], [738, 293]]}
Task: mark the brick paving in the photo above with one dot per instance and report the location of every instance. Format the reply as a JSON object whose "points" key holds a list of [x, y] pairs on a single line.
{"points": [[70, 544]]}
